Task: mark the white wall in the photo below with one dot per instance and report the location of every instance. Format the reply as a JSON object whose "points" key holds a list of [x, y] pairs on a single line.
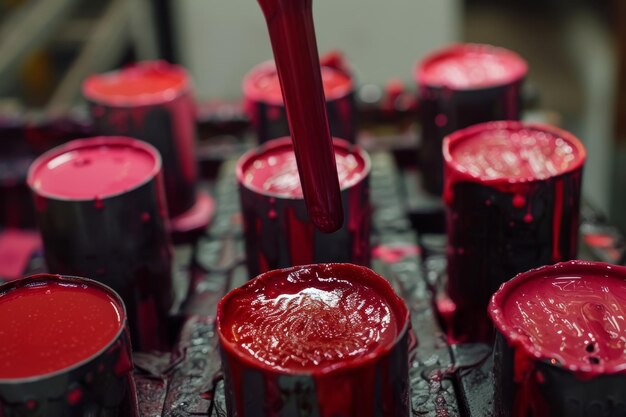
{"points": [[220, 40]]}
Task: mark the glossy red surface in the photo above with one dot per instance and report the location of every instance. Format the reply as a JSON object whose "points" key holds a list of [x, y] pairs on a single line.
{"points": [[471, 66], [51, 325], [292, 33], [93, 168], [572, 314], [309, 319], [273, 170], [143, 83], [263, 84]]}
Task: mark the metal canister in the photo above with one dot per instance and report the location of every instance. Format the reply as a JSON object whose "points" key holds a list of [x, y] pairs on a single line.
{"points": [[510, 207], [101, 212], [65, 374], [266, 108], [354, 385], [152, 101], [278, 231], [563, 357], [461, 85]]}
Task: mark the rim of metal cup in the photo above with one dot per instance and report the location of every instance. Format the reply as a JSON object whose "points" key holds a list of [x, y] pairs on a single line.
{"points": [[518, 340], [252, 92], [512, 125], [285, 142], [97, 141], [74, 281], [365, 274], [146, 99], [419, 72]]}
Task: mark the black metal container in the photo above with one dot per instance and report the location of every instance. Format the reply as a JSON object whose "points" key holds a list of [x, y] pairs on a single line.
{"points": [[500, 227], [446, 108], [278, 232], [266, 108], [120, 239], [152, 101], [529, 384], [101, 385]]}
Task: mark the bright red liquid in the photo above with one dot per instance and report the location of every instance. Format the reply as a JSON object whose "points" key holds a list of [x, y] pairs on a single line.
{"points": [[142, 83], [263, 83], [513, 154], [275, 172], [471, 66], [291, 30], [49, 327], [574, 316], [93, 170], [309, 319]]}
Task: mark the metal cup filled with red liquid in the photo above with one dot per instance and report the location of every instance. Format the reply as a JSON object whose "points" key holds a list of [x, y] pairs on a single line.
{"points": [[319, 340], [266, 108], [101, 212], [512, 192], [65, 349], [153, 101], [461, 85], [278, 231], [561, 340]]}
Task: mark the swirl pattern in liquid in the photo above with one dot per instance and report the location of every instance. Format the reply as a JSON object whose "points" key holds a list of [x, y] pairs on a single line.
{"points": [[305, 321], [578, 320]]}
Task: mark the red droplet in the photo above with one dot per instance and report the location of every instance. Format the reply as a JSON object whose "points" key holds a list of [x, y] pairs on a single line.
{"points": [[74, 396], [99, 203], [441, 120], [272, 214], [528, 218], [145, 217], [519, 201], [31, 404]]}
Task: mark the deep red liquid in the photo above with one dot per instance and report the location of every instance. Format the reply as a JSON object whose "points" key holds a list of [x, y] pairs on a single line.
{"points": [[144, 83], [291, 30], [306, 320], [263, 83], [514, 155], [94, 171], [275, 172], [49, 327], [576, 319], [471, 66]]}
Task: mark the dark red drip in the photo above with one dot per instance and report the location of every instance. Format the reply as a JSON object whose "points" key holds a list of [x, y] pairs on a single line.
{"points": [[292, 33], [302, 232]]}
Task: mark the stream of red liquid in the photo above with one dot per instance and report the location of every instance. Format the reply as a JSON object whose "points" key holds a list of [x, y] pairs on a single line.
{"points": [[292, 34]]}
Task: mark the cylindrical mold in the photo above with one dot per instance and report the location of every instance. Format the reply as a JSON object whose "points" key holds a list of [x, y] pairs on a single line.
{"points": [[560, 345], [319, 340], [152, 101], [65, 349], [278, 232], [512, 192], [101, 212], [266, 108], [459, 86]]}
